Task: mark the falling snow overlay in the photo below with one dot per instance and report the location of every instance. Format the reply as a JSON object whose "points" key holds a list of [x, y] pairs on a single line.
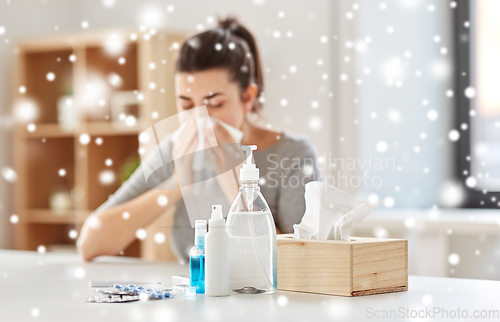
{"points": [[371, 83]]}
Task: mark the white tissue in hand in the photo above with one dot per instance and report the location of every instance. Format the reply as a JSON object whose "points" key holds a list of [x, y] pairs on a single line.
{"points": [[235, 133], [330, 212], [201, 121]]}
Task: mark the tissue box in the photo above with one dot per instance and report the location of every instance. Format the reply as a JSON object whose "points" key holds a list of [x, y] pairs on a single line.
{"points": [[361, 266]]}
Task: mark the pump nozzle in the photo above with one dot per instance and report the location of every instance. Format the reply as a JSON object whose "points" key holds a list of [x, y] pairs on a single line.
{"points": [[200, 231], [216, 212], [248, 152], [249, 172], [217, 218]]}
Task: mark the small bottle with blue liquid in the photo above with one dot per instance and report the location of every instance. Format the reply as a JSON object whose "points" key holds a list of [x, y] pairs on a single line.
{"points": [[197, 257]]}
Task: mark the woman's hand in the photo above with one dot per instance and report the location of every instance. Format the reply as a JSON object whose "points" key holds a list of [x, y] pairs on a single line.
{"points": [[216, 140], [224, 158], [109, 232], [183, 153]]}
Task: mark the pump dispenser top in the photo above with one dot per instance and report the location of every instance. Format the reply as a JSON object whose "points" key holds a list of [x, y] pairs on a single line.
{"points": [[200, 231], [249, 172], [216, 219]]}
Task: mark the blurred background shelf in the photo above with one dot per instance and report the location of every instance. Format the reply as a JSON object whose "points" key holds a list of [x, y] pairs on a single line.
{"points": [[47, 216], [47, 131], [84, 99], [96, 128]]}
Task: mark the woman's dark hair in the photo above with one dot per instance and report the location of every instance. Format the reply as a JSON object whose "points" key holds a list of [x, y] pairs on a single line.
{"points": [[231, 46]]}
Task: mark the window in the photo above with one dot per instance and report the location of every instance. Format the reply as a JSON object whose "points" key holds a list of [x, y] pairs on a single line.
{"points": [[477, 88]]}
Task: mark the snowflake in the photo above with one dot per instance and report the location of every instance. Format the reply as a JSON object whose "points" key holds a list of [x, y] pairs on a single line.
{"points": [[141, 234], [282, 300], [84, 138], [381, 146], [51, 76], [31, 127], [470, 92], [453, 259], [432, 115], [410, 222], [106, 177], [9, 174], [162, 200], [389, 202], [471, 182], [79, 273], [453, 135], [14, 219], [73, 234], [159, 238]]}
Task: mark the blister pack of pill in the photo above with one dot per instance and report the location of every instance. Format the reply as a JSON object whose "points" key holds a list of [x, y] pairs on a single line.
{"points": [[110, 298], [128, 293]]}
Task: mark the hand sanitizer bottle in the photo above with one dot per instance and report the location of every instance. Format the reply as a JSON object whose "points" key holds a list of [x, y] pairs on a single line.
{"points": [[252, 236], [197, 257], [217, 255]]}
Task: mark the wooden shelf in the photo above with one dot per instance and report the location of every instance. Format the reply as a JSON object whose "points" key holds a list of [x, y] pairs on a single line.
{"points": [[54, 130], [44, 160], [120, 149], [51, 160], [50, 130], [47, 216], [109, 128], [39, 89]]}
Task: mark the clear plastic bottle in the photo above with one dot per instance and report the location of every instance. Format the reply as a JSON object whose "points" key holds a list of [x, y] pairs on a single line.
{"points": [[197, 257], [252, 235]]}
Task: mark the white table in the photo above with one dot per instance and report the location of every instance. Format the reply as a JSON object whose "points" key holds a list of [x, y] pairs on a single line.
{"points": [[54, 287]]}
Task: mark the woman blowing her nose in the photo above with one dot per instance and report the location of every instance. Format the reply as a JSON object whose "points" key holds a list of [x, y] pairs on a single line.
{"points": [[219, 68]]}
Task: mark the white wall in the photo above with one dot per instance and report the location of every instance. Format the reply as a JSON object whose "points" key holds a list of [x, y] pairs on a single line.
{"points": [[414, 28], [307, 20]]}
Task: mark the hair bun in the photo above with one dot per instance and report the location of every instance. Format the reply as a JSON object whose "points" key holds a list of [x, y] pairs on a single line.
{"points": [[230, 23]]}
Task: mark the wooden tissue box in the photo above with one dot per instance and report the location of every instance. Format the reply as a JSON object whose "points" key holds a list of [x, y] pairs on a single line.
{"points": [[361, 266]]}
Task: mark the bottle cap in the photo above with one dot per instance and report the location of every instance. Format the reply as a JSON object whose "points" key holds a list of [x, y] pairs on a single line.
{"points": [[217, 218], [249, 172], [200, 230]]}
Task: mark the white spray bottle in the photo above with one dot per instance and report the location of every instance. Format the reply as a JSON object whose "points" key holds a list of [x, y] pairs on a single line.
{"points": [[217, 255]]}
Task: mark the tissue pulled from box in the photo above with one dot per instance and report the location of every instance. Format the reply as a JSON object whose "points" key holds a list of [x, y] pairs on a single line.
{"points": [[208, 158], [201, 121], [330, 212]]}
